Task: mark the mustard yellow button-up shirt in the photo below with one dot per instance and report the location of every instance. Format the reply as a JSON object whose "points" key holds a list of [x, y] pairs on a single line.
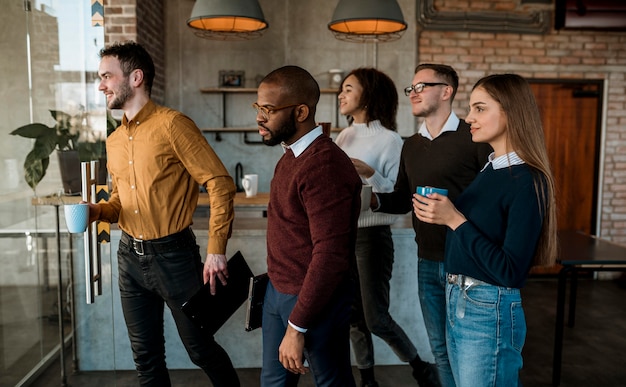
{"points": [[156, 161]]}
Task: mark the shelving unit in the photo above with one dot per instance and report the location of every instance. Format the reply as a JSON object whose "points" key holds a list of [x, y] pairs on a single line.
{"points": [[225, 91]]}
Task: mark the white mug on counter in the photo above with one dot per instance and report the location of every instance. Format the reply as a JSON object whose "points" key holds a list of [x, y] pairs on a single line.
{"points": [[250, 184]]}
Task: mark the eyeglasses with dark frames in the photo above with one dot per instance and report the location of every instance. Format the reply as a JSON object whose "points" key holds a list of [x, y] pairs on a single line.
{"points": [[265, 111], [419, 87]]}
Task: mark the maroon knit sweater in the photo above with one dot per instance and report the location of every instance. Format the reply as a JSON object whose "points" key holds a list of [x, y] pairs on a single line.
{"points": [[311, 226]]}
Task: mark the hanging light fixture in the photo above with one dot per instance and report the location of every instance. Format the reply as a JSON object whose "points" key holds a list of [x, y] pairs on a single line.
{"points": [[367, 20], [227, 19]]}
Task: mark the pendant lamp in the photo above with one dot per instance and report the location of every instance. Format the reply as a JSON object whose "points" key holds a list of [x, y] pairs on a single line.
{"points": [[227, 19], [367, 20]]}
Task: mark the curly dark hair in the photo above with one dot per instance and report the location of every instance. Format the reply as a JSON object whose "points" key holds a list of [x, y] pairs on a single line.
{"points": [[379, 98]]}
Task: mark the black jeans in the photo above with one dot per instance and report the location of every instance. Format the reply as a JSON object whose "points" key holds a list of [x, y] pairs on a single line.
{"points": [[146, 283]]}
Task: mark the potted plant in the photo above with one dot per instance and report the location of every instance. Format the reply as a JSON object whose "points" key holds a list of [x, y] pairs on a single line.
{"points": [[74, 141]]}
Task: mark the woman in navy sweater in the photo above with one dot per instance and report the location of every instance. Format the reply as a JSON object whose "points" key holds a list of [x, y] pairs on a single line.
{"points": [[500, 226]]}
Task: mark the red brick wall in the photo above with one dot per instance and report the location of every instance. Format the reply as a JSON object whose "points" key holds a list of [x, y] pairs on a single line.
{"points": [[141, 21], [558, 54]]}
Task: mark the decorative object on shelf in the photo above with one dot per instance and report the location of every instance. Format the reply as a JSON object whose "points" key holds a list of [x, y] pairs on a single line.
{"points": [[335, 76], [74, 140], [367, 20], [229, 78], [227, 19]]}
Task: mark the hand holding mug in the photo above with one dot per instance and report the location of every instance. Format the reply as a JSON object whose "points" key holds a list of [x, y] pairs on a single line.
{"points": [[431, 205]]}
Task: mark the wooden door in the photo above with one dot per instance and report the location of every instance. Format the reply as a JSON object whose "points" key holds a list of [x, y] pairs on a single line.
{"points": [[570, 114]]}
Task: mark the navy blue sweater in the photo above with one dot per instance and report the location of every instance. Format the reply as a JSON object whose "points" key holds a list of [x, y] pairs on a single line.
{"points": [[498, 242]]}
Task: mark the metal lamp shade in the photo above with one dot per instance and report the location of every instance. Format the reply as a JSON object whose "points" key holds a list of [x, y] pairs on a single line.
{"points": [[227, 19], [361, 20]]}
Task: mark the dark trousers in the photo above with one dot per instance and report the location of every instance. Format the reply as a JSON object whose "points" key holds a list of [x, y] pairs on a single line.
{"points": [[149, 281], [374, 258], [326, 347]]}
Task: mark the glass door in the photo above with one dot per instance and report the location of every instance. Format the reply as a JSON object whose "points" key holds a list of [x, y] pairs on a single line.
{"points": [[49, 78]]}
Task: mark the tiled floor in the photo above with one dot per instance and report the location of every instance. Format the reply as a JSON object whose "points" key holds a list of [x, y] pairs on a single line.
{"points": [[593, 352]]}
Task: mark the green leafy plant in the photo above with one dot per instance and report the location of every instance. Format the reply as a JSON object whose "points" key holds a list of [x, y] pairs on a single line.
{"points": [[63, 136]]}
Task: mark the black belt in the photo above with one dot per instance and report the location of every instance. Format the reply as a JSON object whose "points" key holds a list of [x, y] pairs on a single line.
{"points": [[173, 242]]}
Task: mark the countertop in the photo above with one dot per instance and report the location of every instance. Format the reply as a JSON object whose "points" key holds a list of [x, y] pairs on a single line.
{"points": [[249, 211], [241, 200]]}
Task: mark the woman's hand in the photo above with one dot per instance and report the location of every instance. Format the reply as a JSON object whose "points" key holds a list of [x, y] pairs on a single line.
{"points": [[362, 168], [437, 209]]}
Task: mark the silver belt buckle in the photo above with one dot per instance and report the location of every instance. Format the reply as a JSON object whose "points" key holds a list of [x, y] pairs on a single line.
{"points": [[138, 246]]}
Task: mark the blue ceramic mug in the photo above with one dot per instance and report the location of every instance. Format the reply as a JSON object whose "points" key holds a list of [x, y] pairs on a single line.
{"points": [[424, 191]]}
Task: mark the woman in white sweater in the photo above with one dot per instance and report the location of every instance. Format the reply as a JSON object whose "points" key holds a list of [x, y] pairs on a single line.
{"points": [[369, 99]]}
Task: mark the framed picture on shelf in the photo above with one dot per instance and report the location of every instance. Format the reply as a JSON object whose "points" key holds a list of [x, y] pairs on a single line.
{"points": [[229, 78]]}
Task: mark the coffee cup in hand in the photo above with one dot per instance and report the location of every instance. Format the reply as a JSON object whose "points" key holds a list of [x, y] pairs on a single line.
{"points": [[366, 197], [76, 217], [425, 191]]}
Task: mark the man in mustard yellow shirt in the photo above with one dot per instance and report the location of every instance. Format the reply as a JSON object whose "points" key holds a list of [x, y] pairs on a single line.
{"points": [[157, 158]]}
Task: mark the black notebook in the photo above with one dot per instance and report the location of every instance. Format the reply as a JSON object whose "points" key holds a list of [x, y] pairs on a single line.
{"points": [[211, 312], [256, 295]]}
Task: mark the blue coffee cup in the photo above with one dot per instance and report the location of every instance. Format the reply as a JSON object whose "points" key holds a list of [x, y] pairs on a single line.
{"points": [[424, 191]]}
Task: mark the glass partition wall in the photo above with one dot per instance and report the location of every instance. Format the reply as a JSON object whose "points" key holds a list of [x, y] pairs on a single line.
{"points": [[50, 77]]}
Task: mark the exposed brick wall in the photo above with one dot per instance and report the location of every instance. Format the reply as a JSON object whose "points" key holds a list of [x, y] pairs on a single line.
{"points": [[141, 21], [558, 55]]}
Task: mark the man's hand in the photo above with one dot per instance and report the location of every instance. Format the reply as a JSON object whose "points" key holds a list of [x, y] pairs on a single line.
{"points": [[215, 265], [290, 352], [94, 211]]}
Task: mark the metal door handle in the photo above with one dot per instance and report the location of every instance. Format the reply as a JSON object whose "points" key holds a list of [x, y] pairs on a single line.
{"points": [[93, 262]]}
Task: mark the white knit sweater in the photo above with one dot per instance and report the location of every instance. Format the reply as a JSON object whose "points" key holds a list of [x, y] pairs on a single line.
{"points": [[379, 148]]}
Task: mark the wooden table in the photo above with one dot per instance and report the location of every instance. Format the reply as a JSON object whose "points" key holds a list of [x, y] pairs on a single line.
{"points": [[579, 252], [241, 201]]}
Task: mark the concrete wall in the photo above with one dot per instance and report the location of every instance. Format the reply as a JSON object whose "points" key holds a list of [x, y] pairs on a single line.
{"points": [[297, 35]]}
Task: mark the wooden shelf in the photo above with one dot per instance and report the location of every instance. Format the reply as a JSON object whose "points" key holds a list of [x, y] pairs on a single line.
{"points": [[217, 90], [227, 130], [244, 130], [249, 90]]}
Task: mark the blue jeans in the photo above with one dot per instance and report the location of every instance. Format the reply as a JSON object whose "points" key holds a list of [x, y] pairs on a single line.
{"points": [[374, 258], [431, 280], [148, 282], [326, 346], [486, 333]]}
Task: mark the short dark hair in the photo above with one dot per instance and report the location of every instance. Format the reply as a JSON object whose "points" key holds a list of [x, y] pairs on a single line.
{"points": [[132, 56], [445, 72], [298, 85]]}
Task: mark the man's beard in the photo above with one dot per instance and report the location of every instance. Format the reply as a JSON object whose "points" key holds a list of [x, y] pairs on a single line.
{"points": [[121, 96], [283, 133], [427, 111]]}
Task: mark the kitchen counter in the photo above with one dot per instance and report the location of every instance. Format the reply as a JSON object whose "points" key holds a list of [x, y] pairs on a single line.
{"points": [[241, 200], [249, 212]]}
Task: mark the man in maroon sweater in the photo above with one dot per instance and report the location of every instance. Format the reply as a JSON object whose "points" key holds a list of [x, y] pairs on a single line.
{"points": [[311, 233]]}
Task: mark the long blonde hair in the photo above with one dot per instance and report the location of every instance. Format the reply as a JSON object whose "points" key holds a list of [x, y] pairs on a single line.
{"points": [[526, 137]]}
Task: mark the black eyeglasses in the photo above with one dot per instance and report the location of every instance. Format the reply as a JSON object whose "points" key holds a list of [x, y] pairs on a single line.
{"points": [[419, 87], [265, 111]]}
